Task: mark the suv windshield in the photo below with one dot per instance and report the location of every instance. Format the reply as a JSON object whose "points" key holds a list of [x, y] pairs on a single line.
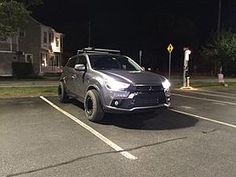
{"points": [[108, 62]]}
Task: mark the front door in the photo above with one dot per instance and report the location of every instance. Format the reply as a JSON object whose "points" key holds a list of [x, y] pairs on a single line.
{"points": [[80, 86], [69, 73]]}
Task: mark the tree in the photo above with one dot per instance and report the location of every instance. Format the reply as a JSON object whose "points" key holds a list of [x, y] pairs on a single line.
{"points": [[222, 51], [14, 13]]}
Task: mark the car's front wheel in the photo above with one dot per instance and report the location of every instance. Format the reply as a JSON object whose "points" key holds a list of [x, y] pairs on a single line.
{"points": [[62, 95], [92, 106]]}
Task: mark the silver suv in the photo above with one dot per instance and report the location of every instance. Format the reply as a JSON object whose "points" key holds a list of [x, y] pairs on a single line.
{"points": [[106, 81]]}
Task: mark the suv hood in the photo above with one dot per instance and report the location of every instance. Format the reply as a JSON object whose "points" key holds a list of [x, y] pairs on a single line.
{"points": [[135, 77]]}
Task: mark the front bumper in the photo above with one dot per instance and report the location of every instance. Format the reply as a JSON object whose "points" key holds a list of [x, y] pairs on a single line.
{"points": [[134, 109], [139, 101]]}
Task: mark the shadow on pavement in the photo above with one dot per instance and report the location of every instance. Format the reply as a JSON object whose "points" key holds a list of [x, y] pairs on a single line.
{"points": [[76, 103], [161, 120]]}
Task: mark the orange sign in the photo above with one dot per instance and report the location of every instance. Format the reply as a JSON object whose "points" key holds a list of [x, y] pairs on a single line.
{"points": [[170, 48]]}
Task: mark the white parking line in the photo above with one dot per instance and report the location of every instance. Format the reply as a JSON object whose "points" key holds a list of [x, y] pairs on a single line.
{"points": [[205, 118], [215, 95], [91, 130], [221, 104], [205, 99], [215, 92]]}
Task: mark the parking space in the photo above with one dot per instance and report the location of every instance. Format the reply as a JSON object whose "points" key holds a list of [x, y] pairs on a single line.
{"points": [[37, 139], [218, 106]]}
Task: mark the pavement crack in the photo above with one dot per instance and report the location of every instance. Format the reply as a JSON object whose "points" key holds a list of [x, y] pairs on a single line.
{"points": [[209, 131], [154, 144], [92, 155]]}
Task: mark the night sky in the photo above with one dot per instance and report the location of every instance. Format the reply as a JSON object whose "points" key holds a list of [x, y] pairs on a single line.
{"points": [[133, 25]]}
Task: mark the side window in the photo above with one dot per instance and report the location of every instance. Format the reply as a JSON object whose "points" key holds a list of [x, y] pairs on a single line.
{"points": [[45, 37], [51, 37], [29, 58], [3, 39], [71, 62], [22, 34], [82, 60]]}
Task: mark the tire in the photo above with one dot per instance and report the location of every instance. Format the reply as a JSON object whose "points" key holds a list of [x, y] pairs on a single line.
{"points": [[62, 95], [92, 106]]}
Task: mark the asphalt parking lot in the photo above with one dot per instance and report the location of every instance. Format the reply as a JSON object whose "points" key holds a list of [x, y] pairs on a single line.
{"points": [[196, 137]]}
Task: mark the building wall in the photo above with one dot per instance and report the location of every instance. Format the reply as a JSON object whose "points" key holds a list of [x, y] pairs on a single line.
{"points": [[6, 60], [51, 50], [36, 43], [57, 43], [8, 44], [29, 43]]}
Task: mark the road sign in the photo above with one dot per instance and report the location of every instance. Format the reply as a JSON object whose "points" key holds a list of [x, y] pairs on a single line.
{"points": [[170, 48]]}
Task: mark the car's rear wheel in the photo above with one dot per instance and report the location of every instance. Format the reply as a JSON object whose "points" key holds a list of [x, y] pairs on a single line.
{"points": [[92, 106], [62, 95]]}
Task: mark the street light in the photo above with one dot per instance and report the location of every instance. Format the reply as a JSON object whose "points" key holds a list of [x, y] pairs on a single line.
{"points": [[187, 52]]}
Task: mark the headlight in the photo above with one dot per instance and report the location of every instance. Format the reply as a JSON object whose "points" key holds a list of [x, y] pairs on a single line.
{"points": [[166, 85], [114, 85]]}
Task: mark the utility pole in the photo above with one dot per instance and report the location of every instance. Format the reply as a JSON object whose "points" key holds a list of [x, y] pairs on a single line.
{"points": [[89, 34], [140, 57], [170, 49], [219, 23], [219, 19]]}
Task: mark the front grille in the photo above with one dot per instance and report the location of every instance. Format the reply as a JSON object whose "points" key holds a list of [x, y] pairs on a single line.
{"points": [[149, 95], [148, 88], [149, 99], [144, 96]]}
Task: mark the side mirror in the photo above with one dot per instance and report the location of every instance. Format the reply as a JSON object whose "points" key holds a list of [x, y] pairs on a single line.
{"points": [[80, 67]]}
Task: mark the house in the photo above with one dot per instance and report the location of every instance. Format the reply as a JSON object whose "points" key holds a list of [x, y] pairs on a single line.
{"points": [[34, 43]]}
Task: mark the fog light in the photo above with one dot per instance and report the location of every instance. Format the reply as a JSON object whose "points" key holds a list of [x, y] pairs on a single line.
{"points": [[116, 103]]}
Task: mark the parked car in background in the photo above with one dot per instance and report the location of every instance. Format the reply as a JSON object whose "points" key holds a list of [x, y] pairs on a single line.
{"points": [[106, 81]]}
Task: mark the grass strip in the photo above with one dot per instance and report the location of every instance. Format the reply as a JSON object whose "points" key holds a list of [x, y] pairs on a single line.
{"points": [[27, 91], [52, 90]]}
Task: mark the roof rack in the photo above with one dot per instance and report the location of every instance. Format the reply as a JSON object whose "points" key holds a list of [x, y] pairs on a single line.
{"points": [[97, 50]]}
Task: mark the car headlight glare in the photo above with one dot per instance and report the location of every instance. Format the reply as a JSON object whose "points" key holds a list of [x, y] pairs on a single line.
{"points": [[166, 84], [114, 85]]}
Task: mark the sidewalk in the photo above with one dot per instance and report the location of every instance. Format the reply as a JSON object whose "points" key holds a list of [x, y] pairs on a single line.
{"points": [[207, 84]]}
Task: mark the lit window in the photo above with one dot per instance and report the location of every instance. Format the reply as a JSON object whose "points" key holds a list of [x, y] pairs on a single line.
{"points": [[57, 41]]}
